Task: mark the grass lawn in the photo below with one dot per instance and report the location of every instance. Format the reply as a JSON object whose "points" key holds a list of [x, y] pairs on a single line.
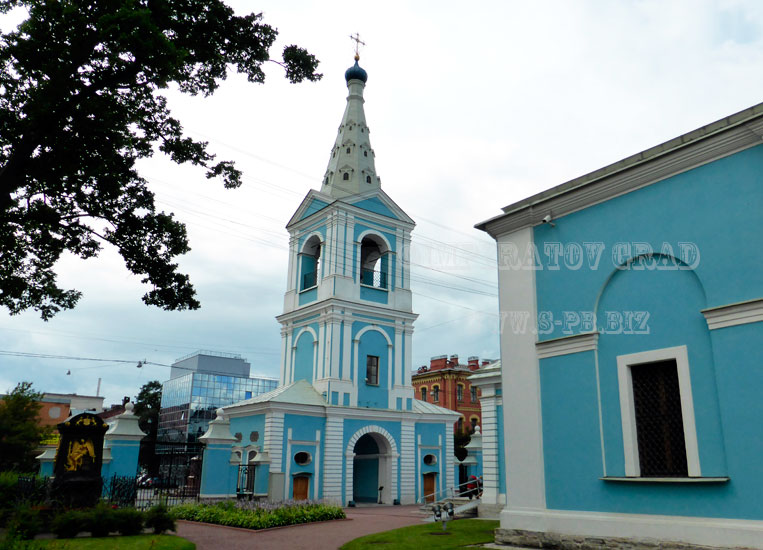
{"points": [[139, 542], [427, 536]]}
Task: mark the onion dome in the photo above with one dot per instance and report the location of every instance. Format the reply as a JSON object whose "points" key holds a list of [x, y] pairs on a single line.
{"points": [[356, 72]]}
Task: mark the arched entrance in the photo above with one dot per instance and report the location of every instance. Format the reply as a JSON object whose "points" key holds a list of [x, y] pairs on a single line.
{"points": [[371, 463]]}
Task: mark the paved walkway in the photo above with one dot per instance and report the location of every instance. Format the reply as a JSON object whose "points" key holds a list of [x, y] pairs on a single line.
{"points": [[317, 536]]}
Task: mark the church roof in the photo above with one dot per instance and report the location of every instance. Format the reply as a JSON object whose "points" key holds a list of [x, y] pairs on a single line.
{"points": [[422, 407], [300, 391], [351, 168]]}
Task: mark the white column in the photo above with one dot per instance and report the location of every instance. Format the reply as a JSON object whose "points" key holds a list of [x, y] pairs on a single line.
{"points": [[399, 370], [406, 259], [408, 354], [333, 461], [335, 352], [490, 442], [315, 359], [399, 254], [291, 282], [274, 439], [285, 336], [316, 478], [348, 247], [407, 463], [524, 467], [320, 365], [347, 351], [287, 473]]}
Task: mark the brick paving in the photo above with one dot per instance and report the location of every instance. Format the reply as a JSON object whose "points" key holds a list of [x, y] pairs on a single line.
{"points": [[317, 536]]}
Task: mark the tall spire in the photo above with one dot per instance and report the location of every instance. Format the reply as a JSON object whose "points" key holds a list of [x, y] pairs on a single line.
{"points": [[351, 167]]}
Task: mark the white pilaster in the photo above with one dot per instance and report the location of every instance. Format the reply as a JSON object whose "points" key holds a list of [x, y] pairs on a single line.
{"points": [[332, 462], [274, 439], [407, 463]]}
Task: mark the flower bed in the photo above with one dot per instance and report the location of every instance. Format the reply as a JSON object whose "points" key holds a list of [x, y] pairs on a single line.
{"points": [[252, 515]]}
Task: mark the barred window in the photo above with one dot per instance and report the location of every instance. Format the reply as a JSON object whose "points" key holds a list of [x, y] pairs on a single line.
{"points": [[659, 421], [423, 394], [372, 370]]}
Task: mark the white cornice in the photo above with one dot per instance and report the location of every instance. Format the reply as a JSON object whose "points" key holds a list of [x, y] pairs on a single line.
{"points": [[324, 306], [707, 144], [567, 345], [731, 315]]}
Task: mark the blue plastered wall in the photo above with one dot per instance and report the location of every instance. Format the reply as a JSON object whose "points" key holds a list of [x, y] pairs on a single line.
{"points": [[431, 434], [303, 429], [124, 458], [218, 475], [716, 266], [374, 343]]}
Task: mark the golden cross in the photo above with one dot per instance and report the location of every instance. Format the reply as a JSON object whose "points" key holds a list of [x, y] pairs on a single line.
{"points": [[358, 42]]}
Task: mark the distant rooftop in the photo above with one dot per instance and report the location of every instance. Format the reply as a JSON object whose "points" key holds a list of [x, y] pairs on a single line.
{"points": [[210, 353]]}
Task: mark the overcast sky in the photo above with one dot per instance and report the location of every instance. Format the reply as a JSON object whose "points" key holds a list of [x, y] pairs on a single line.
{"points": [[470, 109]]}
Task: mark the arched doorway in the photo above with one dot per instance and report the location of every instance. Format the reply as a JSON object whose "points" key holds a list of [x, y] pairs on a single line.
{"points": [[371, 469]]}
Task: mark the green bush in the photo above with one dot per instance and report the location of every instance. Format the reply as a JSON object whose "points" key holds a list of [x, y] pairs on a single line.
{"points": [[257, 517], [25, 523], [67, 525], [159, 519], [129, 521], [11, 541], [101, 520]]}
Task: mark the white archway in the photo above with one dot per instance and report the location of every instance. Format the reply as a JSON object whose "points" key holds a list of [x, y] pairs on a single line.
{"points": [[388, 458]]}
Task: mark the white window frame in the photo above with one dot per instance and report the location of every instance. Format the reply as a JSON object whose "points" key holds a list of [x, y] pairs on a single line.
{"points": [[628, 412]]}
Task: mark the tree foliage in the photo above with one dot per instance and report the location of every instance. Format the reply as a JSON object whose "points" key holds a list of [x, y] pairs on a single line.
{"points": [[20, 431], [80, 102], [147, 406]]}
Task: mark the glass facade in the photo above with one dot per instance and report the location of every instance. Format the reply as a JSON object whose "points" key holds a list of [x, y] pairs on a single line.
{"points": [[189, 402]]}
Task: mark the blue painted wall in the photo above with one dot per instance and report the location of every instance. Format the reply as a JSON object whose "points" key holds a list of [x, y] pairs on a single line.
{"points": [[305, 357], [218, 475], [375, 205], [726, 378], [373, 343], [315, 206]]}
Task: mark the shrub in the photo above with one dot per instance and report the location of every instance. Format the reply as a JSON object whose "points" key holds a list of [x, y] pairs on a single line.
{"points": [[11, 541], [101, 520], [257, 516], [159, 519], [128, 521], [67, 525], [25, 523]]}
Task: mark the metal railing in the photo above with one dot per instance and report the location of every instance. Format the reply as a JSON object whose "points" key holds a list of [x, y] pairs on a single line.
{"points": [[376, 279], [450, 492], [309, 280]]}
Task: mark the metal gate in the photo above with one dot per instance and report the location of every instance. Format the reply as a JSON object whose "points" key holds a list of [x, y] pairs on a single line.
{"points": [[169, 472]]}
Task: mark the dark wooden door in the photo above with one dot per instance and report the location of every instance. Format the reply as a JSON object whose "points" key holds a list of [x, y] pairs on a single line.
{"points": [[301, 487], [429, 486]]}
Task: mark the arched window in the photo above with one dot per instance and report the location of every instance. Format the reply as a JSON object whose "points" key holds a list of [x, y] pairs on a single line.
{"points": [[346, 176], [309, 263], [435, 394], [474, 394], [368, 179], [474, 420], [348, 149], [373, 262], [460, 392], [460, 424], [365, 153], [423, 393]]}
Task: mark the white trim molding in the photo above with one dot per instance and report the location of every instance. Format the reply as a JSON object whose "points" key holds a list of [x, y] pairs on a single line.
{"points": [[628, 414], [732, 315], [706, 532], [567, 345]]}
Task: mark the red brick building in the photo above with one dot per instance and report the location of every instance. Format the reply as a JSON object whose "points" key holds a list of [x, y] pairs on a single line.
{"points": [[445, 383]]}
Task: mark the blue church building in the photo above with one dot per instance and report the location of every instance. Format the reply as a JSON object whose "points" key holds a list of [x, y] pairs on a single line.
{"points": [[632, 349], [343, 425]]}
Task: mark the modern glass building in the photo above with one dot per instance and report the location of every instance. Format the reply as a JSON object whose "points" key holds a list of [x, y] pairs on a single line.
{"points": [[201, 383]]}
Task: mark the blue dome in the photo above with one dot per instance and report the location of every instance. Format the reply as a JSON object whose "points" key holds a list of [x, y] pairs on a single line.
{"points": [[356, 72]]}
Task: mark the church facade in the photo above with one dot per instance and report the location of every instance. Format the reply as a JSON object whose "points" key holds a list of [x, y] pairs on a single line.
{"points": [[343, 425]]}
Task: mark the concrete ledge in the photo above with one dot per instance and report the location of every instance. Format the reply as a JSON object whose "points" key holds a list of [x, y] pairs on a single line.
{"points": [[557, 541]]}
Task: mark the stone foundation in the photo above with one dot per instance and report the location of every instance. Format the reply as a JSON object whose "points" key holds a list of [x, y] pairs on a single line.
{"points": [[558, 541]]}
